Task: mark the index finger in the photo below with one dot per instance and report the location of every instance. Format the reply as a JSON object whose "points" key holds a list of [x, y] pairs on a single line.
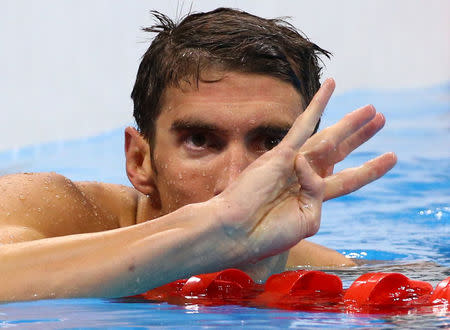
{"points": [[304, 125]]}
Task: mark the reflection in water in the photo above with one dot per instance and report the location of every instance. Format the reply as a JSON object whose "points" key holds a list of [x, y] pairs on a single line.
{"points": [[423, 271]]}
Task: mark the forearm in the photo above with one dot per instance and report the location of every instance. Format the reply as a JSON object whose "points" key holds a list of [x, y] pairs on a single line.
{"points": [[114, 263]]}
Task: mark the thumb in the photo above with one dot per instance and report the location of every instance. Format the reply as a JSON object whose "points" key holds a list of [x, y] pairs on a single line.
{"points": [[310, 195], [312, 185]]}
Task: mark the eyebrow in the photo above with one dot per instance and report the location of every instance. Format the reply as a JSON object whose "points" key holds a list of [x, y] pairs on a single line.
{"points": [[182, 124], [277, 130], [193, 125]]}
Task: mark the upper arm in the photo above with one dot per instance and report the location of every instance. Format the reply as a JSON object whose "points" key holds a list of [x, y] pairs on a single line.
{"points": [[14, 234], [307, 253], [42, 205]]}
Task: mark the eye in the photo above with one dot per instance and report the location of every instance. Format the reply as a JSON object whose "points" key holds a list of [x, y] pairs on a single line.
{"points": [[200, 141], [271, 142], [266, 142]]}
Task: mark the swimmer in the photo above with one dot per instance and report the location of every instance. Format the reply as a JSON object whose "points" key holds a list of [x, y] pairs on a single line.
{"points": [[225, 165]]}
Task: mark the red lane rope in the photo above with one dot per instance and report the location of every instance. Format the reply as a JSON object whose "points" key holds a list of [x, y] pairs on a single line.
{"points": [[387, 293]]}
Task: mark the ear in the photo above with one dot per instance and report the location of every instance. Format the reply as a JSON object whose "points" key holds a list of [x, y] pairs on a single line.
{"points": [[139, 167]]}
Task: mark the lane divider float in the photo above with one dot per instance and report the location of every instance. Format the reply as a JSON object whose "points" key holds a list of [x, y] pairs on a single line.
{"points": [[308, 290]]}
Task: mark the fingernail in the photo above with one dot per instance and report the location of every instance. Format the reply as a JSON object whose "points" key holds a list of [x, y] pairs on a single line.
{"points": [[329, 82], [393, 155]]}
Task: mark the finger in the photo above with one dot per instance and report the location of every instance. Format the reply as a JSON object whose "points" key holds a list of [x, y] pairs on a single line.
{"points": [[328, 171], [309, 181], [304, 125], [349, 124], [364, 134], [329, 139], [324, 154], [310, 195], [352, 179]]}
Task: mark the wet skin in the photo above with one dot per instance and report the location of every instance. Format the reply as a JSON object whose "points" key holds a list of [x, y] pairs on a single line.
{"points": [[218, 198], [208, 133], [207, 136]]}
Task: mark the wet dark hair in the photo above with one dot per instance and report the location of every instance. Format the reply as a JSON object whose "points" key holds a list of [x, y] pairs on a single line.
{"points": [[229, 39]]}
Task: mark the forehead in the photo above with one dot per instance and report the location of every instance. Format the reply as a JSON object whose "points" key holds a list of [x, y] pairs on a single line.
{"points": [[224, 97]]}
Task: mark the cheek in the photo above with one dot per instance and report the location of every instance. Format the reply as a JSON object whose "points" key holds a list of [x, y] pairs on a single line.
{"points": [[185, 183]]}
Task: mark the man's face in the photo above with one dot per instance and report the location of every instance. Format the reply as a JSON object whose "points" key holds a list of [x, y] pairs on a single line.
{"points": [[206, 136]]}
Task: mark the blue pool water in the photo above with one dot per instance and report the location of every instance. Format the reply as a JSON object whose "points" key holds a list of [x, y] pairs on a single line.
{"points": [[403, 220]]}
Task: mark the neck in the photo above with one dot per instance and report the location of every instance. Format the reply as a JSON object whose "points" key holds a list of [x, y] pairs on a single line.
{"points": [[147, 209]]}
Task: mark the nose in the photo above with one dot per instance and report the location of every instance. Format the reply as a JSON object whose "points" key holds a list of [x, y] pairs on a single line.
{"points": [[234, 160]]}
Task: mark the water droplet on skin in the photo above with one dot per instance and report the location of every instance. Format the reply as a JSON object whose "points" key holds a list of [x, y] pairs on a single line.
{"points": [[57, 196], [180, 176], [21, 197]]}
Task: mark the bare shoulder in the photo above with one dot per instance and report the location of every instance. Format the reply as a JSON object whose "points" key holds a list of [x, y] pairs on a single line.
{"points": [[41, 205], [116, 199], [311, 254]]}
